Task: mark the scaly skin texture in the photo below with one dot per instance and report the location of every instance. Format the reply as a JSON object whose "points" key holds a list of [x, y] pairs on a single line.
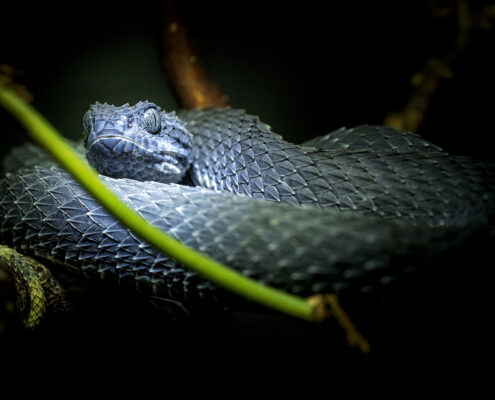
{"points": [[31, 299], [366, 207], [369, 170], [301, 250]]}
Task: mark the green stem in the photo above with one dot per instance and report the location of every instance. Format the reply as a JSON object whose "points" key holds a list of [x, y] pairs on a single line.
{"points": [[47, 137]]}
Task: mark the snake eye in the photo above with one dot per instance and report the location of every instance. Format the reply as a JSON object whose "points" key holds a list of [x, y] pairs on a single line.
{"points": [[152, 120]]}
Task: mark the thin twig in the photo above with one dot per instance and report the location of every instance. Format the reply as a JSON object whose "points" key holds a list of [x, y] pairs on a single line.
{"points": [[436, 69], [326, 306], [8, 76]]}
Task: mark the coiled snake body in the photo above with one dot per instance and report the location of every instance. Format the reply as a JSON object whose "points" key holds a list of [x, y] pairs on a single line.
{"points": [[345, 213]]}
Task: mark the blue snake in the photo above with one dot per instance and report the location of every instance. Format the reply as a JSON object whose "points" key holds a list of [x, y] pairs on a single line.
{"points": [[351, 212]]}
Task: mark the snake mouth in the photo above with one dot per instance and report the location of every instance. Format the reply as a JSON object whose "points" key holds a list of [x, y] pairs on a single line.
{"points": [[116, 145], [131, 159]]}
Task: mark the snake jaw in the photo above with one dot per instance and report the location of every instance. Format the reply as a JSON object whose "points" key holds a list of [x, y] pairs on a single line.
{"points": [[114, 145], [126, 158]]}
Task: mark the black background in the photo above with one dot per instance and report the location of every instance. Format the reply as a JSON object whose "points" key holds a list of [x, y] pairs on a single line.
{"points": [[305, 68]]}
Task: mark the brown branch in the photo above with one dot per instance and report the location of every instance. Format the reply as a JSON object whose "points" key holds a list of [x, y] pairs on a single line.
{"points": [[188, 78], [326, 306], [427, 80], [8, 74]]}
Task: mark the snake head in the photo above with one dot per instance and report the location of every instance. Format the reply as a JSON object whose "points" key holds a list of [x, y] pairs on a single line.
{"points": [[139, 142]]}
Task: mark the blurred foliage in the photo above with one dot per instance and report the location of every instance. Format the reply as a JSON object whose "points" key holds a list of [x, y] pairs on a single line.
{"points": [[469, 18]]}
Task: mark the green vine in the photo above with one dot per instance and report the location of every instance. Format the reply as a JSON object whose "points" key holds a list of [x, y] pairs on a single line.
{"points": [[48, 138]]}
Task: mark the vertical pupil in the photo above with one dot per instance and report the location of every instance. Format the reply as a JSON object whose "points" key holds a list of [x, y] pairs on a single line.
{"points": [[151, 121]]}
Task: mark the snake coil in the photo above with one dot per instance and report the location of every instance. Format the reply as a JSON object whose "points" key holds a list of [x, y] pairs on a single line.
{"points": [[350, 212]]}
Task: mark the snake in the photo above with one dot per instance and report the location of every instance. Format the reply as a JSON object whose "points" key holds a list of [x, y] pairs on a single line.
{"points": [[353, 212]]}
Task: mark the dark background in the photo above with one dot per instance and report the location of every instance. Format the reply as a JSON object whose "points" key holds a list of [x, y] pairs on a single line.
{"points": [[305, 68]]}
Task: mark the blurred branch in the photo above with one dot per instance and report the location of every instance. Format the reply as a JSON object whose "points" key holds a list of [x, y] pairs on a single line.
{"points": [[191, 84], [7, 76], [426, 81]]}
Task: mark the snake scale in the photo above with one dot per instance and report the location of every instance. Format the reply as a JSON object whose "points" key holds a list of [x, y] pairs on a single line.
{"points": [[351, 212]]}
